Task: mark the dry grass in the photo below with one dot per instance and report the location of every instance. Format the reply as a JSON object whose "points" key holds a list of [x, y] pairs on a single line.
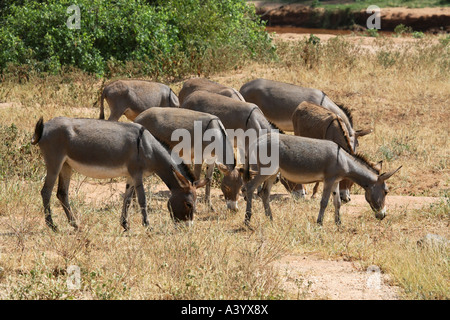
{"points": [[400, 92]]}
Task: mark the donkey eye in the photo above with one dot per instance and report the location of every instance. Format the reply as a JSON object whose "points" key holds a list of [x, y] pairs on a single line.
{"points": [[189, 205]]}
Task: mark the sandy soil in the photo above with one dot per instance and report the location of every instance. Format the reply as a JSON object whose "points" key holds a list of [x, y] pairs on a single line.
{"points": [[307, 275], [311, 276]]}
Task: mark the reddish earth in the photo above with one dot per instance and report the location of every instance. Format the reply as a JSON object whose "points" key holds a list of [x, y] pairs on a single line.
{"points": [[299, 15]]}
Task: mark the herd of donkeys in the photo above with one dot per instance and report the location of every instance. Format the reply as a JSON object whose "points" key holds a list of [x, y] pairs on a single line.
{"points": [[322, 148]]}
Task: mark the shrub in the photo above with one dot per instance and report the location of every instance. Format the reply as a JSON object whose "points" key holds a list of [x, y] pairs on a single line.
{"points": [[372, 32], [168, 36], [418, 34], [401, 29]]}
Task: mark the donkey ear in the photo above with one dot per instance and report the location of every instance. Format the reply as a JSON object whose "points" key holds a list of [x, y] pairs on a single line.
{"points": [[361, 133], [242, 171], [183, 182], [222, 168], [379, 165], [387, 175], [201, 183]]}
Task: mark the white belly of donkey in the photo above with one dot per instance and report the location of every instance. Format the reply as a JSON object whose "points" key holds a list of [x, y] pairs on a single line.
{"points": [[98, 172]]}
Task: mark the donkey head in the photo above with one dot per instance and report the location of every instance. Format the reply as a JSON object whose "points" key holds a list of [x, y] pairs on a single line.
{"points": [[346, 184], [231, 185], [182, 202], [376, 194]]}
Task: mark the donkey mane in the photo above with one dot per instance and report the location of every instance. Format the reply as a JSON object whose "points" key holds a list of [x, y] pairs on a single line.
{"points": [[185, 170], [347, 113], [363, 160], [274, 126], [345, 133]]}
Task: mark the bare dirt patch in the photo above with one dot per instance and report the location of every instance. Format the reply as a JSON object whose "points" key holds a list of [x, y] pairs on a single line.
{"points": [[310, 276], [10, 105]]}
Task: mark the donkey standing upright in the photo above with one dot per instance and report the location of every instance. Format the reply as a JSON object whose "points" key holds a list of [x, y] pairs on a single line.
{"points": [[103, 150]]}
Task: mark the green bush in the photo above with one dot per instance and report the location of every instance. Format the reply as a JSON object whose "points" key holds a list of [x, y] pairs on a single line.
{"points": [[163, 37]]}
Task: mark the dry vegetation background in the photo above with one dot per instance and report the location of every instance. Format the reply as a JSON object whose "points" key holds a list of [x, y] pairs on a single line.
{"points": [[399, 89]]}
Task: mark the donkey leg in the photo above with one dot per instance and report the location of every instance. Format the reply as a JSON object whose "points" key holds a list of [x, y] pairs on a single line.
{"points": [[46, 193], [128, 196], [53, 169], [315, 189], [139, 186], [249, 188], [63, 193], [327, 188], [209, 173], [197, 171], [337, 203], [265, 195]]}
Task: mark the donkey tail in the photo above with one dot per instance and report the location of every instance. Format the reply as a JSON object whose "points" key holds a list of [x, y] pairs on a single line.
{"points": [[38, 130]]}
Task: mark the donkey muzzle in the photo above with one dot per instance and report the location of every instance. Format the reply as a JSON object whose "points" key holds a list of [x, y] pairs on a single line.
{"points": [[232, 205], [380, 215], [345, 196]]}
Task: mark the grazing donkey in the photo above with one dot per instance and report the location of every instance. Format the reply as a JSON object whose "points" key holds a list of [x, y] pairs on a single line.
{"points": [[203, 84], [235, 115], [313, 121], [306, 160], [278, 101], [162, 122], [131, 97], [104, 150]]}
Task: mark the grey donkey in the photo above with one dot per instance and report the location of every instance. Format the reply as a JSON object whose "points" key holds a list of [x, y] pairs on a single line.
{"points": [[313, 121], [131, 97], [103, 150], [162, 123], [197, 84], [278, 101], [306, 160]]}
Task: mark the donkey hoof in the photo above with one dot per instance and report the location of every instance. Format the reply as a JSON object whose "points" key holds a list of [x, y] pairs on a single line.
{"points": [[125, 227], [248, 226], [75, 226], [52, 226]]}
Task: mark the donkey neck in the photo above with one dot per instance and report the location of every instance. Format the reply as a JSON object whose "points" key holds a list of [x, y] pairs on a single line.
{"points": [[359, 172], [163, 168]]}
